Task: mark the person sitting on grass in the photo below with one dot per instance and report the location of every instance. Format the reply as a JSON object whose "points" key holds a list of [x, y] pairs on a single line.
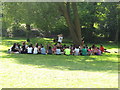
{"points": [[49, 51], [23, 48], [36, 45], [101, 48], [98, 51], [18, 46], [86, 46], [67, 51], [94, 51], [84, 51], [89, 51], [14, 49], [71, 49], [76, 51], [43, 50], [54, 48], [63, 48], [35, 50], [58, 51], [30, 49]]}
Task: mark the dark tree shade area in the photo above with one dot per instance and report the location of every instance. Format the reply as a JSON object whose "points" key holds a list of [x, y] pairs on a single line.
{"points": [[93, 21]]}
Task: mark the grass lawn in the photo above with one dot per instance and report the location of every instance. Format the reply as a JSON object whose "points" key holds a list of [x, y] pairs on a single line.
{"points": [[52, 71]]}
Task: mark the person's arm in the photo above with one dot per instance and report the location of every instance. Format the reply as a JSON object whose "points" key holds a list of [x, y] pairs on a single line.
{"points": [[64, 51], [47, 51]]}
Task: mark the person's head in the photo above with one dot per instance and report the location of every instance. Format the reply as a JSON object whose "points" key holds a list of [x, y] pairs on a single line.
{"points": [[93, 46], [58, 47], [23, 43], [77, 47], [97, 47], [42, 46], [84, 47], [64, 45], [36, 45], [18, 45], [90, 48], [14, 44], [30, 45], [67, 46], [49, 48]]}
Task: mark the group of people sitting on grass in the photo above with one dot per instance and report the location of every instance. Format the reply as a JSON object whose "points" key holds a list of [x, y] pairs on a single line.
{"points": [[57, 49]]}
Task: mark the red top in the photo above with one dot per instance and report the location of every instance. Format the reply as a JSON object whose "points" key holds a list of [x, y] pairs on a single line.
{"points": [[102, 49], [89, 50]]}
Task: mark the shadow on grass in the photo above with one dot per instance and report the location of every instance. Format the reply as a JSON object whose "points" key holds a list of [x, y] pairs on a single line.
{"points": [[62, 62]]}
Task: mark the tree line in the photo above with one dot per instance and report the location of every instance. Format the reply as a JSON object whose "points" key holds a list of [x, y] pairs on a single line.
{"points": [[93, 21]]}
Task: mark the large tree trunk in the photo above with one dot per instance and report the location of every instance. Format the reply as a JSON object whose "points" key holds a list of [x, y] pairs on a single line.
{"points": [[74, 27], [28, 31], [77, 23], [116, 36]]}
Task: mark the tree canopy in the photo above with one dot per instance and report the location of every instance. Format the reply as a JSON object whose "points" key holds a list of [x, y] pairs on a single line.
{"points": [[95, 21]]}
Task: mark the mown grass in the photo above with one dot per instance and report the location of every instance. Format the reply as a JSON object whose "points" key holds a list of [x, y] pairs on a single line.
{"points": [[52, 71]]}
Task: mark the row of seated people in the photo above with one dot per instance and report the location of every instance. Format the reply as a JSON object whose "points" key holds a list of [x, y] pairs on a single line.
{"points": [[57, 49]]}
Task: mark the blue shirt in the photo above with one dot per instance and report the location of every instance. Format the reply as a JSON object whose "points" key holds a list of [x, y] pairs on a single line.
{"points": [[43, 51]]}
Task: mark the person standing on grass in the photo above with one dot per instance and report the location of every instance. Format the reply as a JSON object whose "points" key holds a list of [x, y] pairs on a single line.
{"points": [[60, 38], [67, 51]]}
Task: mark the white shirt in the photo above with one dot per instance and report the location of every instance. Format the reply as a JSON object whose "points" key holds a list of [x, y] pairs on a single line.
{"points": [[35, 50], [29, 50], [58, 51], [77, 50], [60, 39]]}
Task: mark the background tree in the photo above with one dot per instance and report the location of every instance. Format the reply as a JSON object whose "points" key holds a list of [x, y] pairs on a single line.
{"points": [[96, 22]]}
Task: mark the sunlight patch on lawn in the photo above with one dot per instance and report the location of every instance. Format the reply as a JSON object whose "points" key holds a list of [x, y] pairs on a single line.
{"points": [[41, 77]]}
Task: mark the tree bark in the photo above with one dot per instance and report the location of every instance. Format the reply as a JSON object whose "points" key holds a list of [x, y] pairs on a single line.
{"points": [[77, 23], [28, 31], [74, 27]]}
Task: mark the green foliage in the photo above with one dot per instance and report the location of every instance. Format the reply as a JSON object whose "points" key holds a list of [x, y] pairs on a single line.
{"points": [[97, 19]]}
